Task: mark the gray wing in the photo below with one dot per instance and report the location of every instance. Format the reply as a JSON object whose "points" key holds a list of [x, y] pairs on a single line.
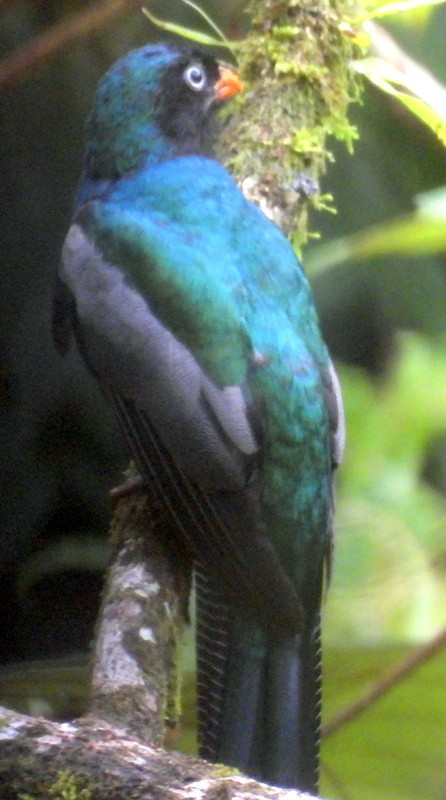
{"points": [[336, 417], [336, 427], [192, 440], [205, 427]]}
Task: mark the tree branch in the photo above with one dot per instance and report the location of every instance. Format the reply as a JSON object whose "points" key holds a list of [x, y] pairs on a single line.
{"points": [[95, 761], [135, 679], [32, 56], [387, 682]]}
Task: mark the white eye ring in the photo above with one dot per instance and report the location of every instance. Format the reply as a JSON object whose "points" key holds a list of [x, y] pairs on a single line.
{"points": [[195, 77]]}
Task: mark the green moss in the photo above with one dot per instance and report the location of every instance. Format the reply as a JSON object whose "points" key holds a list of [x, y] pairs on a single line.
{"points": [[68, 786], [295, 64], [172, 630], [223, 771]]}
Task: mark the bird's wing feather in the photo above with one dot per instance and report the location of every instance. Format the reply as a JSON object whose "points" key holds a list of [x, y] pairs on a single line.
{"points": [[163, 366], [221, 530], [173, 268], [335, 410], [190, 436], [64, 309]]}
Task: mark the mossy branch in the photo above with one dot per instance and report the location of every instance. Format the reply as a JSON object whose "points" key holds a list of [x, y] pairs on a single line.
{"points": [[90, 759], [136, 675], [79, 25], [295, 63]]}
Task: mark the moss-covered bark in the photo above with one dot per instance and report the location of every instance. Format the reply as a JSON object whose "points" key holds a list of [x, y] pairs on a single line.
{"points": [[295, 62]]}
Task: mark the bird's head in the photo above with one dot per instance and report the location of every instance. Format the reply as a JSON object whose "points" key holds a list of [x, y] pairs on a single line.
{"points": [[157, 102]]}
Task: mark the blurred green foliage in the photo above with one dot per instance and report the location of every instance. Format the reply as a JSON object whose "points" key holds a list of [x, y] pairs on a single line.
{"points": [[397, 748], [389, 578], [419, 233]]}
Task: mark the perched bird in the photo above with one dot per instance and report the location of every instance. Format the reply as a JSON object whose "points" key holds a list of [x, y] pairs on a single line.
{"points": [[193, 312]]}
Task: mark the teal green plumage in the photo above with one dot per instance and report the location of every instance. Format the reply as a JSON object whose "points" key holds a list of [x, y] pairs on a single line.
{"points": [[193, 312]]}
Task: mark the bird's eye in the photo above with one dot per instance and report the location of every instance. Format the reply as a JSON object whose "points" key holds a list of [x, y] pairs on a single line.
{"points": [[195, 77]]}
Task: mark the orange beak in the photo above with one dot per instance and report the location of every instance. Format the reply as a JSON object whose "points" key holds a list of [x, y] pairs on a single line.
{"points": [[228, 85]]}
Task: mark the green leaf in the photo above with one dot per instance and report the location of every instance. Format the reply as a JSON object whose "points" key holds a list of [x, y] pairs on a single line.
{"points": [[387, 9], [421, 233], [189, 33], [415, 89], [209, 21]]}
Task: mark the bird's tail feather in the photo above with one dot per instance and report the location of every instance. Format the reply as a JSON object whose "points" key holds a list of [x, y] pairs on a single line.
{"points": [[258, 695], [212, 640], [293, 706]]}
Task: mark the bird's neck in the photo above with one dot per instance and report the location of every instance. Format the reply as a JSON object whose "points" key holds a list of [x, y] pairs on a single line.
{"points": [[123, 146], [121, 152]]}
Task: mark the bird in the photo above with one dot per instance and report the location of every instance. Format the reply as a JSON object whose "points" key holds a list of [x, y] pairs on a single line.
{"points": [[192, 311]]}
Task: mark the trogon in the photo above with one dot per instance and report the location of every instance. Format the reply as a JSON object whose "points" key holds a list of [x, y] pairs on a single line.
{"points": [[193, 312]]}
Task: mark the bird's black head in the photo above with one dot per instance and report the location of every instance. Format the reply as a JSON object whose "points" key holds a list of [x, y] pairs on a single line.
{"points": [[190, 92], [155, 103]]}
